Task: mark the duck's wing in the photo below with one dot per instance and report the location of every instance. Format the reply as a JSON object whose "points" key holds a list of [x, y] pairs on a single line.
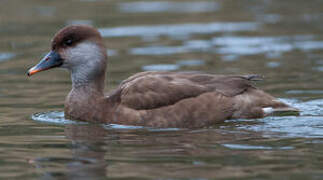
{"points": [[149, 90]]}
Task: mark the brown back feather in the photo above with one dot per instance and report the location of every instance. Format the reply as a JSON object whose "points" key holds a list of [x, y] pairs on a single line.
{"points": [[149, 90]]}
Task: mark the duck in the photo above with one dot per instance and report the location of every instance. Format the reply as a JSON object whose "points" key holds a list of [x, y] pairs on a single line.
{"points": [[152, 98]]}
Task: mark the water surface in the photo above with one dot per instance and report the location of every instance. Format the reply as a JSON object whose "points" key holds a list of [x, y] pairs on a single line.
{"points": [[281, 40]]}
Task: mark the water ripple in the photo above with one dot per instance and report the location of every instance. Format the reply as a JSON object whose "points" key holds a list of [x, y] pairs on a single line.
{"points": [[189, 46], [320, 68], [158, 50], [289, 126], [190, 62], [79, 21], [178, 29], [252, 147], [168, 6], [233, 46], [304, 92], [112, 52], [55, 117], [309, 124], [161, 67], [271, 46], [6, 56], [48, 11], [173, 67]]}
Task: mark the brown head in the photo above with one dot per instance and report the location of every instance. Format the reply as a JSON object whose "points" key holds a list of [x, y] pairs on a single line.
{"points": [[78, 48]]}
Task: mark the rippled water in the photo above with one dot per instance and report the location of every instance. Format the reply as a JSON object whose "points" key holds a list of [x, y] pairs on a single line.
{"points": [[281, 40]]}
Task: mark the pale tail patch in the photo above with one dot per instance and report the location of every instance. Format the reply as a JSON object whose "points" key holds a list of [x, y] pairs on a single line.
{"points": [[283, 111]]}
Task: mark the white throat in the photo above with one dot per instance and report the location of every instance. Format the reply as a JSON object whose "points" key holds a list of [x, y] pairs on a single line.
{"points": [[84, 61]]}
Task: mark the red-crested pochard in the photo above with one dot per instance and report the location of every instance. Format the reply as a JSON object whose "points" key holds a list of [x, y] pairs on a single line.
{"points": [[152, 99]]}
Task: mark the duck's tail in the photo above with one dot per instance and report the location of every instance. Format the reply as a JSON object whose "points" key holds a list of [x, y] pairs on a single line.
{"points": [[281, 111]]}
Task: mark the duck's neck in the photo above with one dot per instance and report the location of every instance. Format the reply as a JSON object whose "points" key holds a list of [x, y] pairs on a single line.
{"points": [[85, 98], [89, 69], [85, 80]]}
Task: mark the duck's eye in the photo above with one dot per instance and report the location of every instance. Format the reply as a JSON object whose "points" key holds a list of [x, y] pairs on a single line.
{"points": [[68, 42]]}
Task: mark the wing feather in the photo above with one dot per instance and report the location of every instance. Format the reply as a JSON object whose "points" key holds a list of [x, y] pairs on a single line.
{"points": [[149, 90]]}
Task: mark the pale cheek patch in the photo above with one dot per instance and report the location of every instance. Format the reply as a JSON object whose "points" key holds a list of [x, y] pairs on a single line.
{"points": [[84, 54], [83, 61]]}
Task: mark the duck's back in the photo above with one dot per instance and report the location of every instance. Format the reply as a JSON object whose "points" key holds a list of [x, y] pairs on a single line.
{"points": [[172, 99]]}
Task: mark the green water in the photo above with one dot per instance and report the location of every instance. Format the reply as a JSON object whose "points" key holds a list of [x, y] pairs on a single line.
{"points": [[282, 40]]}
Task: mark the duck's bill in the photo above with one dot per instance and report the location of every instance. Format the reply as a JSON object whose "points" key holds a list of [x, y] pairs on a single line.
{"points": [[51, 60]]}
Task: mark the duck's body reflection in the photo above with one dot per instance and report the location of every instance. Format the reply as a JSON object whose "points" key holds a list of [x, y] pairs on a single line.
{"points": [[87, 151], [96, 152], [87, 155]]}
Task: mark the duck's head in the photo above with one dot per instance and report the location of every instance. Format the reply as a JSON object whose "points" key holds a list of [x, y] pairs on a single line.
{"points": [[78, 48]]}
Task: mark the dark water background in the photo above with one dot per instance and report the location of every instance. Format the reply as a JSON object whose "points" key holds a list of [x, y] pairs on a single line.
{"points": [[282, 40]]}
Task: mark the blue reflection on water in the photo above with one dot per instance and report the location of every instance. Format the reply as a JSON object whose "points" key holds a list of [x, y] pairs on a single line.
{"points": [[252, 147], [309, 124], [320, 68], [258, 45], [6, 56], [178, 29], [304, 92], [231, 47], [48, 11], [189, 46], [79, 21], [168, 6], [158, 50], [161, 67], [172, 67], [190, 62], [273, 64]]}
